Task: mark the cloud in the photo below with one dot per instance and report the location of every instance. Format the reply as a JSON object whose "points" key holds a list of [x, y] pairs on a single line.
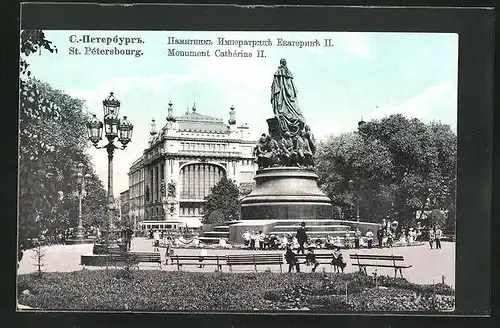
{"points": [[357, 45], [435, 103]]}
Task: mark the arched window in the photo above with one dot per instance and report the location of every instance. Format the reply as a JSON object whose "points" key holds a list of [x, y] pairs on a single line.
{"points": [[197, 179]]}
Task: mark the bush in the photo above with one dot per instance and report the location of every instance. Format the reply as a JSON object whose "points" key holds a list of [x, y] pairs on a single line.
{"points": [[156, 290]]}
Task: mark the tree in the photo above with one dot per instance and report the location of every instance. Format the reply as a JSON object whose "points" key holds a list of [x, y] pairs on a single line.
{"points": [[424, 159], [223, 199], [353, 171], [392, 167], [51, 143]]}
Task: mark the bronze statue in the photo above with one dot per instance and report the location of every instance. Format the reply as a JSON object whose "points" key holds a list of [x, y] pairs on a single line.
{"points": [[284, 101], [290, 142]]}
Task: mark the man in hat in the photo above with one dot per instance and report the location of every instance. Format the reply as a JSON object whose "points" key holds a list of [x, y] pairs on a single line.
{"points": [[301, 237]]}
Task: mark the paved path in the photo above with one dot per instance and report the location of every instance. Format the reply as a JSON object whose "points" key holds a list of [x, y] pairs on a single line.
{"points": [[427, 265]]}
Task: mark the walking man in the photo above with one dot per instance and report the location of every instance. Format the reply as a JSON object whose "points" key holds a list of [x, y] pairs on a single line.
{"points": [[380, 236], [301, 237], [431, 238], [437, 235]]}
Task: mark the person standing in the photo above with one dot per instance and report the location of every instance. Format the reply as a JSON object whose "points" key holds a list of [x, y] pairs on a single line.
{"points": [[380, 236], [431, 238], [301, 237], [246, 238], [437, 235], [357, 236], [291, 259], [252, 240], [369, 238], [156, 238], [261, 238]]}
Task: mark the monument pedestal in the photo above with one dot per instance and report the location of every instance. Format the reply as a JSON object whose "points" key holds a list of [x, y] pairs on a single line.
{"points": [[286, 193]]}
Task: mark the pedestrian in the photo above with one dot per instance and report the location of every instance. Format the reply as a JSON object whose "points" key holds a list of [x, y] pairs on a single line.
{"points": [[431, 238], [369, 238], [411, 236], [252, 240], [301, 237], [168, 246], [261, 238], [156, 237], [203, 253], [437, 235], [311, 258], [291, 259], [130, 234], [246, 238], [380, 236], [357, 236]]}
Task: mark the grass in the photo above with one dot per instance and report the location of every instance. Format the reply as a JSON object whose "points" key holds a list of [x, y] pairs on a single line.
{"points": [[151, 290]]}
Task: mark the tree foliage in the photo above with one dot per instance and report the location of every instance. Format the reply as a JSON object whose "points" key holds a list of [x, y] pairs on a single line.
{"points": [[52, 141], [392, 167], [223, 200]]}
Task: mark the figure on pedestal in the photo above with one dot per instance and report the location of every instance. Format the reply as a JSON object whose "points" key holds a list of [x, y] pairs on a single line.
{"points": [[290, 142], [171, 189], [284, 101]]}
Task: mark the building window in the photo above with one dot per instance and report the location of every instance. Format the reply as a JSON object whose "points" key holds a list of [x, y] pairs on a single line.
{"points": [[196, 180]]}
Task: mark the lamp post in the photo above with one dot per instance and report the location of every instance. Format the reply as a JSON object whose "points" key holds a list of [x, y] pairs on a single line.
{"points": [[81, 179], [351, 184], [114, 128]]}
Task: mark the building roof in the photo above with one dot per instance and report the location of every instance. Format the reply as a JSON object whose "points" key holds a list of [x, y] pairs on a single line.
{"points": [[193, 121]]}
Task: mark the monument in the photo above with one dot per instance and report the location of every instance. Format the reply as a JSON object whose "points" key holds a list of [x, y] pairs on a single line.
{"points": [[286, 183]]}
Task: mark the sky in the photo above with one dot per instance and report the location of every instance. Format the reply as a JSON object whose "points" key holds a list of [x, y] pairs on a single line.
{"points": [[363, 75]]}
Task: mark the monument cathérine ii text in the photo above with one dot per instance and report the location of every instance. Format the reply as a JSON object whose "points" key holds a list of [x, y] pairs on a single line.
{"points": [[286, 183]]}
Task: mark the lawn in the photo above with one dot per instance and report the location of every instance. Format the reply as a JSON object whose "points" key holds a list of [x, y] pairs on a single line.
{"points": [[156, 290]]}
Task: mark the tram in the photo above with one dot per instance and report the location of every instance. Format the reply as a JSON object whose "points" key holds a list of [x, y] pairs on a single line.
{"points": [[168, 226]]}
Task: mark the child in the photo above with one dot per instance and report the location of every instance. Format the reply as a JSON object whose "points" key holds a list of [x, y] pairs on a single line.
{"points": [[338, 260], [311, 258], [291, 259]]}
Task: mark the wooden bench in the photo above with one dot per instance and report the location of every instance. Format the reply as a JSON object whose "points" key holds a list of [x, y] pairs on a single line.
{"points": [[199, 260], [255, 260], [110, 249], [132, 258], [322, 258], [144, 257], [374, 261]]}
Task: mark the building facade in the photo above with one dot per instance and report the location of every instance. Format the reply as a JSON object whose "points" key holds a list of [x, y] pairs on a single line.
{"points": [[124, 207], [136, 192], [185, 159]]}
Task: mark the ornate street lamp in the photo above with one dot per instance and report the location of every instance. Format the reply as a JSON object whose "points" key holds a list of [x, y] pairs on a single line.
{"points": [[81, 179], [113, 128]]}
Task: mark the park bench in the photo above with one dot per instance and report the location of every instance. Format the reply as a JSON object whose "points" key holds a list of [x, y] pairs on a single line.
{"points": [[255, 260], [379, 261], [144, 257], [133, 258], [323, 258], [199, 260], [111, 249]]}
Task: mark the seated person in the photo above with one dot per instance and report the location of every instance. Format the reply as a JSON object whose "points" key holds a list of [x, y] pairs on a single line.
{"points": [[338, 260], [311, 259]]}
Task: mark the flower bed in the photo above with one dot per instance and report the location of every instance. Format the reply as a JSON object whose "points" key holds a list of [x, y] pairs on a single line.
{"points": [[150, 290]]}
